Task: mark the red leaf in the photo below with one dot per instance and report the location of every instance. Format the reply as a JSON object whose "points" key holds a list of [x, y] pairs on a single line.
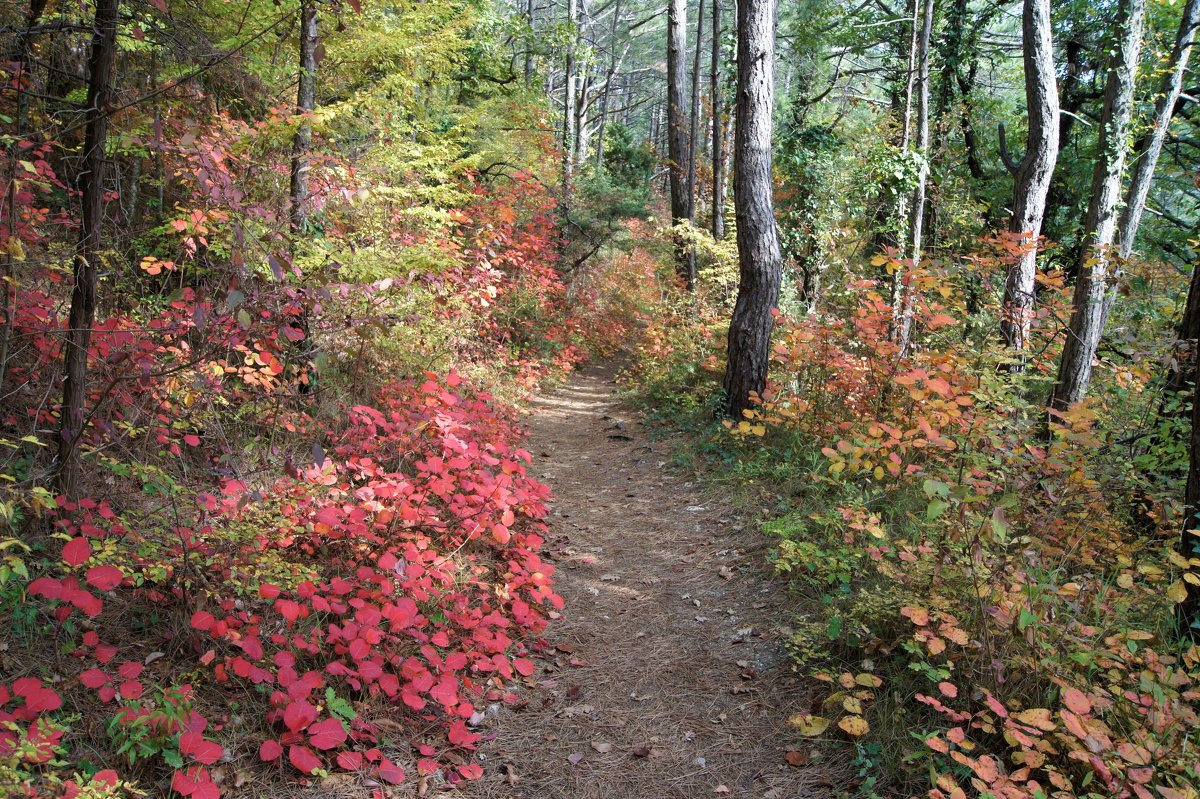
{"points": [[298, 715], [161, 5], [203, 751], [268, 591], [77, 551], [191, 440], [203, 620], [45, 586], [131, 689], [524, 666], [390, 772], [270, 750], [38, 698], [303, 759], [131, 670], [350, 761], [94, 678], [327, 734], [106, 578]]}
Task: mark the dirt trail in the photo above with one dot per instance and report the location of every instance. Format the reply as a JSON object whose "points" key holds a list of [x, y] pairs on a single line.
{"points": [[668, 681]]}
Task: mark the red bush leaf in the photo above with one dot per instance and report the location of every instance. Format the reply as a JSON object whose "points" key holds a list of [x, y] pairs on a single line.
{"points": [[270, 750], [106, 578], [327, 734], [390, 772], [94, 678], [194, 745], [524, 666], [203, 620], [303, 759], [350, 761], [298, 715], [77, 551]]}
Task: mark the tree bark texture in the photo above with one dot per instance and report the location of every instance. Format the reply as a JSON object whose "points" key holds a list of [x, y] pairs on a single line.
{"points": [[306, 102], [1187, 613], [1032, 175], [1164, 110], [718, 138], [694, 130], [1096, 265], [759, 258], [677, 129], [83, 294]]}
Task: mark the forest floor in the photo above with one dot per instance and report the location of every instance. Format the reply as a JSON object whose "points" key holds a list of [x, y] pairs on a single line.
{"points": [[668, 677]]}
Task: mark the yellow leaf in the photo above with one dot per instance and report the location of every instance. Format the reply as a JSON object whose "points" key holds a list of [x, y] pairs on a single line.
{"points": [[1036, 717], [868, 680], [854, 725], [808, 724], [852, 705], [1125, 580], [1177, 592]]}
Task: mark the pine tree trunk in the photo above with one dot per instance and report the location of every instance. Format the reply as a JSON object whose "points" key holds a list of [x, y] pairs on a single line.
{"points": [[759, 260], [83, 294], [530, 11], [306, 103], [916, 219], [718, 139], [568, 130], [1187, 613], [1032, 175], [1164, 108], [1092, 286], [677, 130], [694, 134]]}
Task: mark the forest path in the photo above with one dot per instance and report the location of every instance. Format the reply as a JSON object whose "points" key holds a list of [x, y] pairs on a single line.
{"points": [[668, 679]]}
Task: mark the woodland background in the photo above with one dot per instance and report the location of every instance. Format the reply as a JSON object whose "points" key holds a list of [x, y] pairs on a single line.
{"points": [[916, 283]]}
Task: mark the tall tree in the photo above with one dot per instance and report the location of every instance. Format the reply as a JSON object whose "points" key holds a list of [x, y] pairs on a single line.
{"points": [[569, 118], [1151, 147], [677, 132], [917, 214], [1187, 613], [1032, 175], [718, 139], [1094, 282], [306, 103], [88, 251], [760, 263], [916, 217], [694, 131]]}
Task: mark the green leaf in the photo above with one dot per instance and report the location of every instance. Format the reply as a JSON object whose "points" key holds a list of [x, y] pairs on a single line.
{"points": [[935, 509]]}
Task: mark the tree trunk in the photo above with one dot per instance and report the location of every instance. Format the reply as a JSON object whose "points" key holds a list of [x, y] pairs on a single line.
{"points": [[1164, 108], [694, 132], [614, 63], [718, 140], [306, 102], [759, 261], [677, 132], [530, 10], [916, 219], [1094, 282], [83, 294], [568, 134], [568, 129], [1032, 175], [1187, 613]]}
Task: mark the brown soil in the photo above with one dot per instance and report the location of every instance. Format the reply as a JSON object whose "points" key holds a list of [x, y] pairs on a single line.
{"points": [[668, 679]]}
